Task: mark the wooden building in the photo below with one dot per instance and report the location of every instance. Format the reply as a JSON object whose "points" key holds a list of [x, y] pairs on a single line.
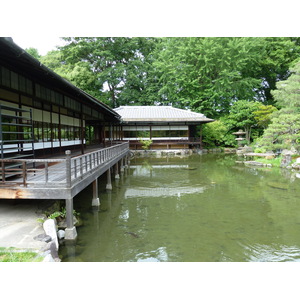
{"points": [[166, 126], [41, 113]]}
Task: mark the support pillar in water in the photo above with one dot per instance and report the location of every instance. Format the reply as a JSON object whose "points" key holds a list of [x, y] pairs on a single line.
{"points": [[95, 200], [126, 162], [108, 185], [117, 175], [122, 165], [70, 231]]}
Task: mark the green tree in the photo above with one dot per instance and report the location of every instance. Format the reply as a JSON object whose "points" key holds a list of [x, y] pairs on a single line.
{"points": [[263, 115], [242, 116], [207, 74], [33, 52], [284, 130], [120, 65], [216, 134], [279, 54]]}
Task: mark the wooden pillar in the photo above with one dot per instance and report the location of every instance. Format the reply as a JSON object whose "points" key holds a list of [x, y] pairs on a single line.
{"points": [[95, 200], [108, 185], [70, 231]]}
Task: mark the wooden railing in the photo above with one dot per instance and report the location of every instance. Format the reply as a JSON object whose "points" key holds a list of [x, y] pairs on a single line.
{"points": [[50, 172]]}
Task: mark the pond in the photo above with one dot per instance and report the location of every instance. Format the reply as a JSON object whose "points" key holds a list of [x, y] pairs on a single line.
{"points": [[200, 208]]}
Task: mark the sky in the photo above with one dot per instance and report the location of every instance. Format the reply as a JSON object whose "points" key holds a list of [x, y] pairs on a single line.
{"points": [[41, 27], [43, 44]]}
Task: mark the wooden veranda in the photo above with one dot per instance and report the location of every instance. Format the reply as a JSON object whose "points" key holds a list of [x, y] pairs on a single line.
{"points": [[60, 178]]}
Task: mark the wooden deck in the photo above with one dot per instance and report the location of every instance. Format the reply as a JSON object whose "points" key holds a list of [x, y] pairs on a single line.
{"points": [[56, 178]]}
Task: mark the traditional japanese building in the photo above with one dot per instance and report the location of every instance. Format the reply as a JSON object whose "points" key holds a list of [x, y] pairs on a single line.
{"points": [[42, 113], [166, 126]]}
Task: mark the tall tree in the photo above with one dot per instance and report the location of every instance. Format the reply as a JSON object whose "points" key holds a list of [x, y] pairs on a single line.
{"points": [[242, 116], [284, 130], [207, 74], [120, 64], [33, 52], [279, 54]]}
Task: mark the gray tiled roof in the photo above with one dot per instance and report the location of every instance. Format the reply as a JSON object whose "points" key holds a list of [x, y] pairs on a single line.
{"points": [[159, 114]]}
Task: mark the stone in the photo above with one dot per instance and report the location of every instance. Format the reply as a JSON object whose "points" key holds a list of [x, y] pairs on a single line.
{"points": [[70, 233], [286, 160], [61, 234], [287, 152], [50, 229], [298, 160], [48, 258], [278, 185], [43, 238]]}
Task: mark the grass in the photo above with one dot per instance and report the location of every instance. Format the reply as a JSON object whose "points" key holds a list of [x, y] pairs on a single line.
{"points": [[17, 255], [275, 162]]}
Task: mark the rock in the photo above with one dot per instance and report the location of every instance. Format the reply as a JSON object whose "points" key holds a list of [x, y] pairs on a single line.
{"points": [[50, 229], [43, 238], [48, 258], [286, 160], [287, 152], [278, 185], [61, 234], [298, 160]]}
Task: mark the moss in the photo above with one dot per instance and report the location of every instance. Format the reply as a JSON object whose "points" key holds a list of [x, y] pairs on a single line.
{"points": [[275, 162], [16, 255]]}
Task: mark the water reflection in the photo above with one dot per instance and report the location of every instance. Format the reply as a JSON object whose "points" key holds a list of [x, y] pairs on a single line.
{"points": [[272, 253], [201, 208], [157, 255]]}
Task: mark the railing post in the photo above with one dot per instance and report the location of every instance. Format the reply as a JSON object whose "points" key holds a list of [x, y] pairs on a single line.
{"points": [[24, 170], [81, 166], [3, 171], [46, 172], [68, 168], [75, 168]]}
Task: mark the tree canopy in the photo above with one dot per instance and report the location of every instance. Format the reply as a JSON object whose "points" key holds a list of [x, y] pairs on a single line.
{"points": [[204, 74], [284, 130], [244, 82]]}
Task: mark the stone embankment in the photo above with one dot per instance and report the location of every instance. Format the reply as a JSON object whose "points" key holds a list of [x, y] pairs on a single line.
{"points": [[177, 152]]}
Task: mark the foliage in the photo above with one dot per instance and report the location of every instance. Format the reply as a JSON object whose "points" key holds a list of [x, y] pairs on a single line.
{"points": [[242, 116], [263, 115], [61, 214], [145, 143], [117, 66], [284, 130], [217, 134], [33, 52], [204, 74]]}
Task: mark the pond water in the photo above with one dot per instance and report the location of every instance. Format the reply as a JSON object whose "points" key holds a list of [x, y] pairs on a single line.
{"points": [[201, 208]]}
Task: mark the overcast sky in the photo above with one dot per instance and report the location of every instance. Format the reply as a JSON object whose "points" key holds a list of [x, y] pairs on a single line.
{"points": [[44, 44]]}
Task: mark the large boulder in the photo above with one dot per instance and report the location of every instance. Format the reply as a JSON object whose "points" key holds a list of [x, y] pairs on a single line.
{"points": [[286, 160]]}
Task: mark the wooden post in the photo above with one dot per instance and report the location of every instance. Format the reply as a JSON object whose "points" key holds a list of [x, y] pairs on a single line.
{"points": [[70, 231], [68, 168], [108, 185], [95, 200]]}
